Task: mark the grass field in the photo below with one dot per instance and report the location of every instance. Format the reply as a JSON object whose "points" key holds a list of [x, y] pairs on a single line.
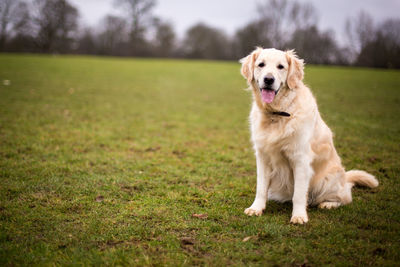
{"points": [[104, 161]]}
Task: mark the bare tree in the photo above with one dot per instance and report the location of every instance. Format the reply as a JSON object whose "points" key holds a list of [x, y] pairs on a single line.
{"points": [[390, 29], [14, 19], [164, 38], [303, 16], [382, 50], [285, 17], [87, 44], [252, 35], [113, 35], [138, 14], [56, 21], [6, 10], [315, 46], [202, 41], [277, 12], [359, 31]]}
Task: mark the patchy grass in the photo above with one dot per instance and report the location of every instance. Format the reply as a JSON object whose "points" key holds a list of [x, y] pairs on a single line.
{"points": [[104, 161]]}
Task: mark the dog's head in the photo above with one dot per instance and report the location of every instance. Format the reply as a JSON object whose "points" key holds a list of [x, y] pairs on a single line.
{"points": [[270, 71]]}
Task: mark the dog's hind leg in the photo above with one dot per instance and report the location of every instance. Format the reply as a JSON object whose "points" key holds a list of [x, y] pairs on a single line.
{"points": [[340, 194], [329, 205], [331, 191]]}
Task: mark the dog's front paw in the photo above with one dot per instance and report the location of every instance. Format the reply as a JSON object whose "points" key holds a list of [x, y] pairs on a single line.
{"points": [[299, 219], [253, 211]]}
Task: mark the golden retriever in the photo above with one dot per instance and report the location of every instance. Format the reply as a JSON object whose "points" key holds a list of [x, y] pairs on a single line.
{"points": [[296, 158]]}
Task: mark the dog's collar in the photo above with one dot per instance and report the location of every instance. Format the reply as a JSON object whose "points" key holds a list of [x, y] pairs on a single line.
{"points": [[280, 113]]}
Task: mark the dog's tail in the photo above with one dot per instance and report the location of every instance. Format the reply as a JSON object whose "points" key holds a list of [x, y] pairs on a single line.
{"points": [[361, 178]]}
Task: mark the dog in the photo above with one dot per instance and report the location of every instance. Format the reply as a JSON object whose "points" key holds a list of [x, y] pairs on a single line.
{"points": [[295, 154]]}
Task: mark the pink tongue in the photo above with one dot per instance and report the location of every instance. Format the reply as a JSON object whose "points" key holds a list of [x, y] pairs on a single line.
{"points": [[267, 95]]}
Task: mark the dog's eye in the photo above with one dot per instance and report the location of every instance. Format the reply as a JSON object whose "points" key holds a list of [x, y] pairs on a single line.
{"points": [[280, 66], [261, 64]]}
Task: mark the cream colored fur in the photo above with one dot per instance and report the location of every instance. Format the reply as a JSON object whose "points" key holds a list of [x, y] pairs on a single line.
{"points": [[296, 158]]}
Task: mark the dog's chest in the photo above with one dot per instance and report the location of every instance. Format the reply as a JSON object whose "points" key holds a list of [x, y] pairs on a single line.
{"points": [[270, 135]]}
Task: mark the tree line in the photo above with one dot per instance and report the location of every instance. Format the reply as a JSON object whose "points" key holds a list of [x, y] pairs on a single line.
{"points": [[51, 26]]}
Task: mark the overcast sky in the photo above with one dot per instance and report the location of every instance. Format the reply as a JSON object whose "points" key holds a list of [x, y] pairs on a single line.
{"points": [[229, 15]]}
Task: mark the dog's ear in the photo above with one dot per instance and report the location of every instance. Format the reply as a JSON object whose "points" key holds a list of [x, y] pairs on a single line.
{"points": [[248, 64], [296, 69]]}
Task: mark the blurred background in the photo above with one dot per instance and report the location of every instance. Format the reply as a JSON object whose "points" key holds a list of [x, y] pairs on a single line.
{"points": [[340, 32]]}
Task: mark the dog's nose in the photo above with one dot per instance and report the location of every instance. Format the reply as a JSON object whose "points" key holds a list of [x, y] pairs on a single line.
{"points": [[269, 79]]}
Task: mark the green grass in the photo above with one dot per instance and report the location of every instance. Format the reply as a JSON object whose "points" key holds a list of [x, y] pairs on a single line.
{"points": [[104, 161]]}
